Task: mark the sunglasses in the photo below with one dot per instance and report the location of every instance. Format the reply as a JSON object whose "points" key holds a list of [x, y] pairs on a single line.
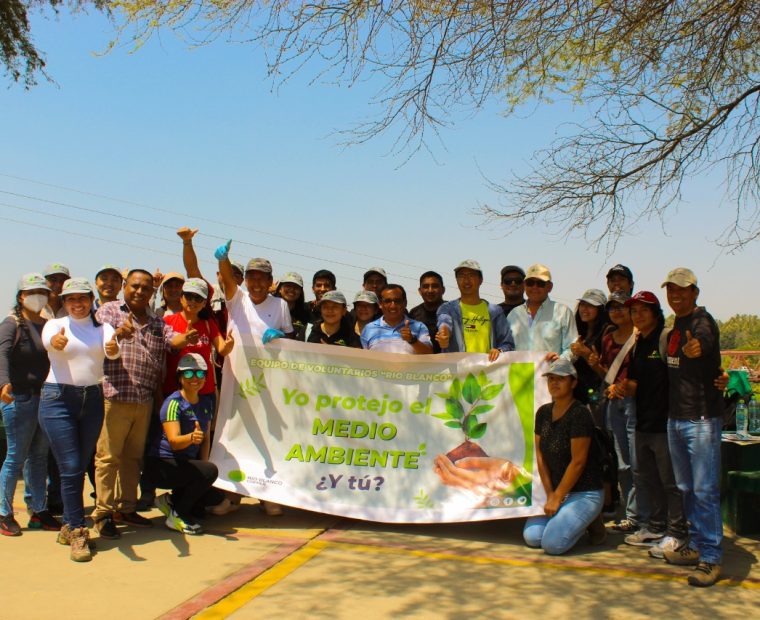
{"points": [[535, 282], [398, 301], [189, 374], [193, 297], [512, 281]]}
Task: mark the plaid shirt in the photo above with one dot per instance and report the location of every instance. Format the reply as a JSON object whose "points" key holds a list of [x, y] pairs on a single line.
{"points": [[133, 377]]}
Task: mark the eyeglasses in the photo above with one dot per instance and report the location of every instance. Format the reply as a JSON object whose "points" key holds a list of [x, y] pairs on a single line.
{"points": [[616, 308], [535, 282], [198, 374], [194, 298], [512, 281], [395, 300]]}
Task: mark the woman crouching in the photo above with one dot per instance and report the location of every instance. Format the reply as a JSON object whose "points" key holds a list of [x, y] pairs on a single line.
{"points": [[177, 455], [573, 483]]}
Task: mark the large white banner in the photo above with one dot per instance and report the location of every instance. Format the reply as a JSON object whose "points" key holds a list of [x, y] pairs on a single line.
{"points": [[381, 436]]}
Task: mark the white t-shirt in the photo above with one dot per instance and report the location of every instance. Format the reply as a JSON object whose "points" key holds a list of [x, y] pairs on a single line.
{"points": [[255, 319], [81, 361]]}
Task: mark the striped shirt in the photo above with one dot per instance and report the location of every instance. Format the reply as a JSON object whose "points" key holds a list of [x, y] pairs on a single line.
{"points": [[133, 377]]}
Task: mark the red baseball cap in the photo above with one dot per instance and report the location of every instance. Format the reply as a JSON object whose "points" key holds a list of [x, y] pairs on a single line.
{"points": [[644, 297]]}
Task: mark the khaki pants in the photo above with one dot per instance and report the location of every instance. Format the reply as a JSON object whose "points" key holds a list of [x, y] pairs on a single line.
{"points": [[119, 454]]}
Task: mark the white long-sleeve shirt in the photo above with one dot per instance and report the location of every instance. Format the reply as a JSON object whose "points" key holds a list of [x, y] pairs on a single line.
{"points": [[552, 329], [81, 361]]}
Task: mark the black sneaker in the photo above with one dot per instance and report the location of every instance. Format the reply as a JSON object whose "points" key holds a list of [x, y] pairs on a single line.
{"points": [[9, 526], [132, 518], [107, 529], [44, 521]]}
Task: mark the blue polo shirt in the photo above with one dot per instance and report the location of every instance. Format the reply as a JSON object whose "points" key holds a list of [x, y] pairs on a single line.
{"points": [[380, 336], [177, 409]]}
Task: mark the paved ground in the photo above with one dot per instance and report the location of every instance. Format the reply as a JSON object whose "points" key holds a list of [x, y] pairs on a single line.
{"points": [[303, 564]]}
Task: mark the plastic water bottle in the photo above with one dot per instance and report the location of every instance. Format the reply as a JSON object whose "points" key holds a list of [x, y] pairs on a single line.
{"points": [[741, 419], [753, 417]]}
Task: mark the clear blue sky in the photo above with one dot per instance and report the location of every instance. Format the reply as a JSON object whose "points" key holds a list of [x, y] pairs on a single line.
{"points": [[180, 136]]}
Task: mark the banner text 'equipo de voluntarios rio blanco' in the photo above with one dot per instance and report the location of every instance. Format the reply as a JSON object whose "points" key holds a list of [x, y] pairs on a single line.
{"points": [[381, 436]]}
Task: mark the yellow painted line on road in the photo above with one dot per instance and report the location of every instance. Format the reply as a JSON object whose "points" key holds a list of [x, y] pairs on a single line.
{"points": [[537, 563], [279, 534], [266, 580]]}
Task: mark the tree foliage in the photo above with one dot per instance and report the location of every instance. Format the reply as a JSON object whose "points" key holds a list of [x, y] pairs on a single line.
{"points": [[19, 56], [673, 86], [740, 332]]}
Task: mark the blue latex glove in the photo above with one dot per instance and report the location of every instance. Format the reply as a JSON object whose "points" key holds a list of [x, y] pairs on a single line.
{"points": [[271, 334], [223, 251]]}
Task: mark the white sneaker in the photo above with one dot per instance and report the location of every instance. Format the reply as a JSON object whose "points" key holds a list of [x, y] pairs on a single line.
{"points": [[667, 543], [643, 538], [175, 522], [164, 504]]}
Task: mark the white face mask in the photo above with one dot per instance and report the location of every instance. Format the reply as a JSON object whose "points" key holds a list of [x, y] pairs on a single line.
{"points": [[35, 303]]}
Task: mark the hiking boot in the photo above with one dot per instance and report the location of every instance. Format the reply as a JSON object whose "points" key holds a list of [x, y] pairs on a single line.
{"points": [[9, 526], [685, 556], [705, 575], [186, 526], [44, 521], [597, 533], [626, 526], [164, 504], [107, 529], [64, 536], [667, 543], [132, 518], [643, 538], [79, 539]]}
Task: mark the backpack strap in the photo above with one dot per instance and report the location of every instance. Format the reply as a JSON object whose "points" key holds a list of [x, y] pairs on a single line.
{"points": [[663, 345]]}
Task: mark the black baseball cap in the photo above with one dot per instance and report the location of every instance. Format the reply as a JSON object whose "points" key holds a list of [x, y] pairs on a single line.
{"points": [[620, 270], [512, 269]]}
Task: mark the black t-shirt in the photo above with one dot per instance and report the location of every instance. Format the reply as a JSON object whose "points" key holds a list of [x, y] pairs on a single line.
{"points": [[507, 308], [555, 444], [587, 378], [692, 392], [430, 319], [344, 337], [23, 360], [649, 371]]}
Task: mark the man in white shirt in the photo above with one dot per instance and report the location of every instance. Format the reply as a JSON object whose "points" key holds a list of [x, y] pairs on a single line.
{"points": [[541, 324]]}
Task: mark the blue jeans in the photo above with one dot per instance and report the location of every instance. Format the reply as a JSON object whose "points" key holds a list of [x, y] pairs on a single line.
{"points": [[71, 417], [27, 450], [558, 534], [695, 452], [621, 421]]}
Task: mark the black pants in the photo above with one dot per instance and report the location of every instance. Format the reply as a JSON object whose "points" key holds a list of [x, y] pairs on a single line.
{"points": [[654, 479], [190, 481]]}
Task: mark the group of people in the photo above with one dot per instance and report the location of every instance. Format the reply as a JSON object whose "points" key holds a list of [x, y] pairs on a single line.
{"points": [[109, 371]]}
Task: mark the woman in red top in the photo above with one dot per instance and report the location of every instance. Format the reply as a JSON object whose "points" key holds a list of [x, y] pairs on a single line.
{"points": [[621, 409], [203, 333]]}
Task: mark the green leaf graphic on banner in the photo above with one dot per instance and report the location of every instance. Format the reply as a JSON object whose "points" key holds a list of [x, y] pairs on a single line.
{"points": [[492, 391], [454, 408], [471, 389], [423, 500], [482, 379], [521, 378], [252, 387], [236, 475], [474, 390], [481, 409], [455, 391]]}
